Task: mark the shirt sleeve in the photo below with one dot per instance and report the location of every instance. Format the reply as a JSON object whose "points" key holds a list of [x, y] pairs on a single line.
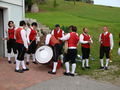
{"points": [[15, 33], [111, 41], [66, 37], [24, 38], [100, 38], [81, 40], [28, 34], [63, 33], [52, 33], [47, 40]]}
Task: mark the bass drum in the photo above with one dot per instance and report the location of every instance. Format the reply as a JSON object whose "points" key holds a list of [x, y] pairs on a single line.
{"points": [[118, 51], [44, 54]]}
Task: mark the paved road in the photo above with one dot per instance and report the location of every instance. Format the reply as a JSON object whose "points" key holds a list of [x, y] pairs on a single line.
{"points": [[72, 83]]}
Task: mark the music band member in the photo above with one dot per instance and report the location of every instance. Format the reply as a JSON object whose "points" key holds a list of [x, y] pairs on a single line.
{"points": [[31, 36], [55, 44], [11, 42], [106, 45], [73, 40], [58, 33], [22, 47], [85, 40]]}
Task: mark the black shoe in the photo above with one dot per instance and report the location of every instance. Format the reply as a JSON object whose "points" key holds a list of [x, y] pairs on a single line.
{"points": [[27, 63], [83, 68], [106, 68], [19, 71], [35, 62], [66, 74], [72, 74], [50, 72], [87, 67], [9, 62], [101, 68], [27, 69], [14, 62]]}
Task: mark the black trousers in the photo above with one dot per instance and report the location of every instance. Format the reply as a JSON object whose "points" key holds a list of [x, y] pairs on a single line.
{"points": [[104, 50], [119, 43], [11, 45], [56, 52], [32, 47], [21, 52], [85, 53], [71, 55]]}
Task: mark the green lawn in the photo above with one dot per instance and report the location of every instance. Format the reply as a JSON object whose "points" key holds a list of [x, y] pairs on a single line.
{"points": [[84, 15]]}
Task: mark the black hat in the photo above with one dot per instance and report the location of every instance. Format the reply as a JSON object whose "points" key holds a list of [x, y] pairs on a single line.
{"points": [[57, 25]]}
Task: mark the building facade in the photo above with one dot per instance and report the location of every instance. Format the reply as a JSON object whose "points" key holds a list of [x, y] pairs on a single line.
{"points": [[9, 10]]}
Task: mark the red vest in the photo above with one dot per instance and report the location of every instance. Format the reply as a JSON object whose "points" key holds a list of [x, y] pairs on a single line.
{"points": [[86, 38], [53, 41], [105, 39], [58, 35], [11, 33], [73, 40], [33, 34], [18, 36]]}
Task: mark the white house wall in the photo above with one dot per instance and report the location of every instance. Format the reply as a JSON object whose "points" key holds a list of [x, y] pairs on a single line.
{"points": [[12, 10], [114, 3], [17, 2]]}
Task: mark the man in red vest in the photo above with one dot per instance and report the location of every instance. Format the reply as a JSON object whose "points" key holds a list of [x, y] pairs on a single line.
{"points": [[54, 43], [73, 40], [22, 47], [31, 36], [106, 45], [58, 33], [85, 40], [11, 42]]}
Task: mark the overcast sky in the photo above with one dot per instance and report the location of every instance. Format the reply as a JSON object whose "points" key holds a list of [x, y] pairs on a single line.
{"points": [[115, 3]]}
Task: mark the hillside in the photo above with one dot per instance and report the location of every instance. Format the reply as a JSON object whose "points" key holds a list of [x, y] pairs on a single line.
{"points": [[85, 15]]}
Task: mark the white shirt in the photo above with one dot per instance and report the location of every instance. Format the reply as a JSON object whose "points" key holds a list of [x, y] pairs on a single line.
{"points": [[24, 38], [111, 40], [57, 32], [66, 37], [82, 39], [47, 39]]}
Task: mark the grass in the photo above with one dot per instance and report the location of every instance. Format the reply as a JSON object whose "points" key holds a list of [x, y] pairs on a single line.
{"points": [[84, 15]]}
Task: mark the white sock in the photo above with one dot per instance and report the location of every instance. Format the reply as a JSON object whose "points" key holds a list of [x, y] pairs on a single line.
{"points": [[28, 57], [17, 64], [33, 56], [23, 64], [9, 56], [67, 65], [54, 66], [83, 63], [15, 57], [101, 62], [107, 62], [73, 68], [87, 62]]}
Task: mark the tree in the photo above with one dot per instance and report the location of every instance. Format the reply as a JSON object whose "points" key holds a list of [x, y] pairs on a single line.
{"points": [[74, 1], [54, 3]]}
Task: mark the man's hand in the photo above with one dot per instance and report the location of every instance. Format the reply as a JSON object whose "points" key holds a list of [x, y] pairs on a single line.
{"points": [[26, 49], [5, 38], [89, 42]]}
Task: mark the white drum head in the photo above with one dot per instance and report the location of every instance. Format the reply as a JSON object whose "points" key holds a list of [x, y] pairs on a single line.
{"points": [[118, 51], [43, 54]]}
